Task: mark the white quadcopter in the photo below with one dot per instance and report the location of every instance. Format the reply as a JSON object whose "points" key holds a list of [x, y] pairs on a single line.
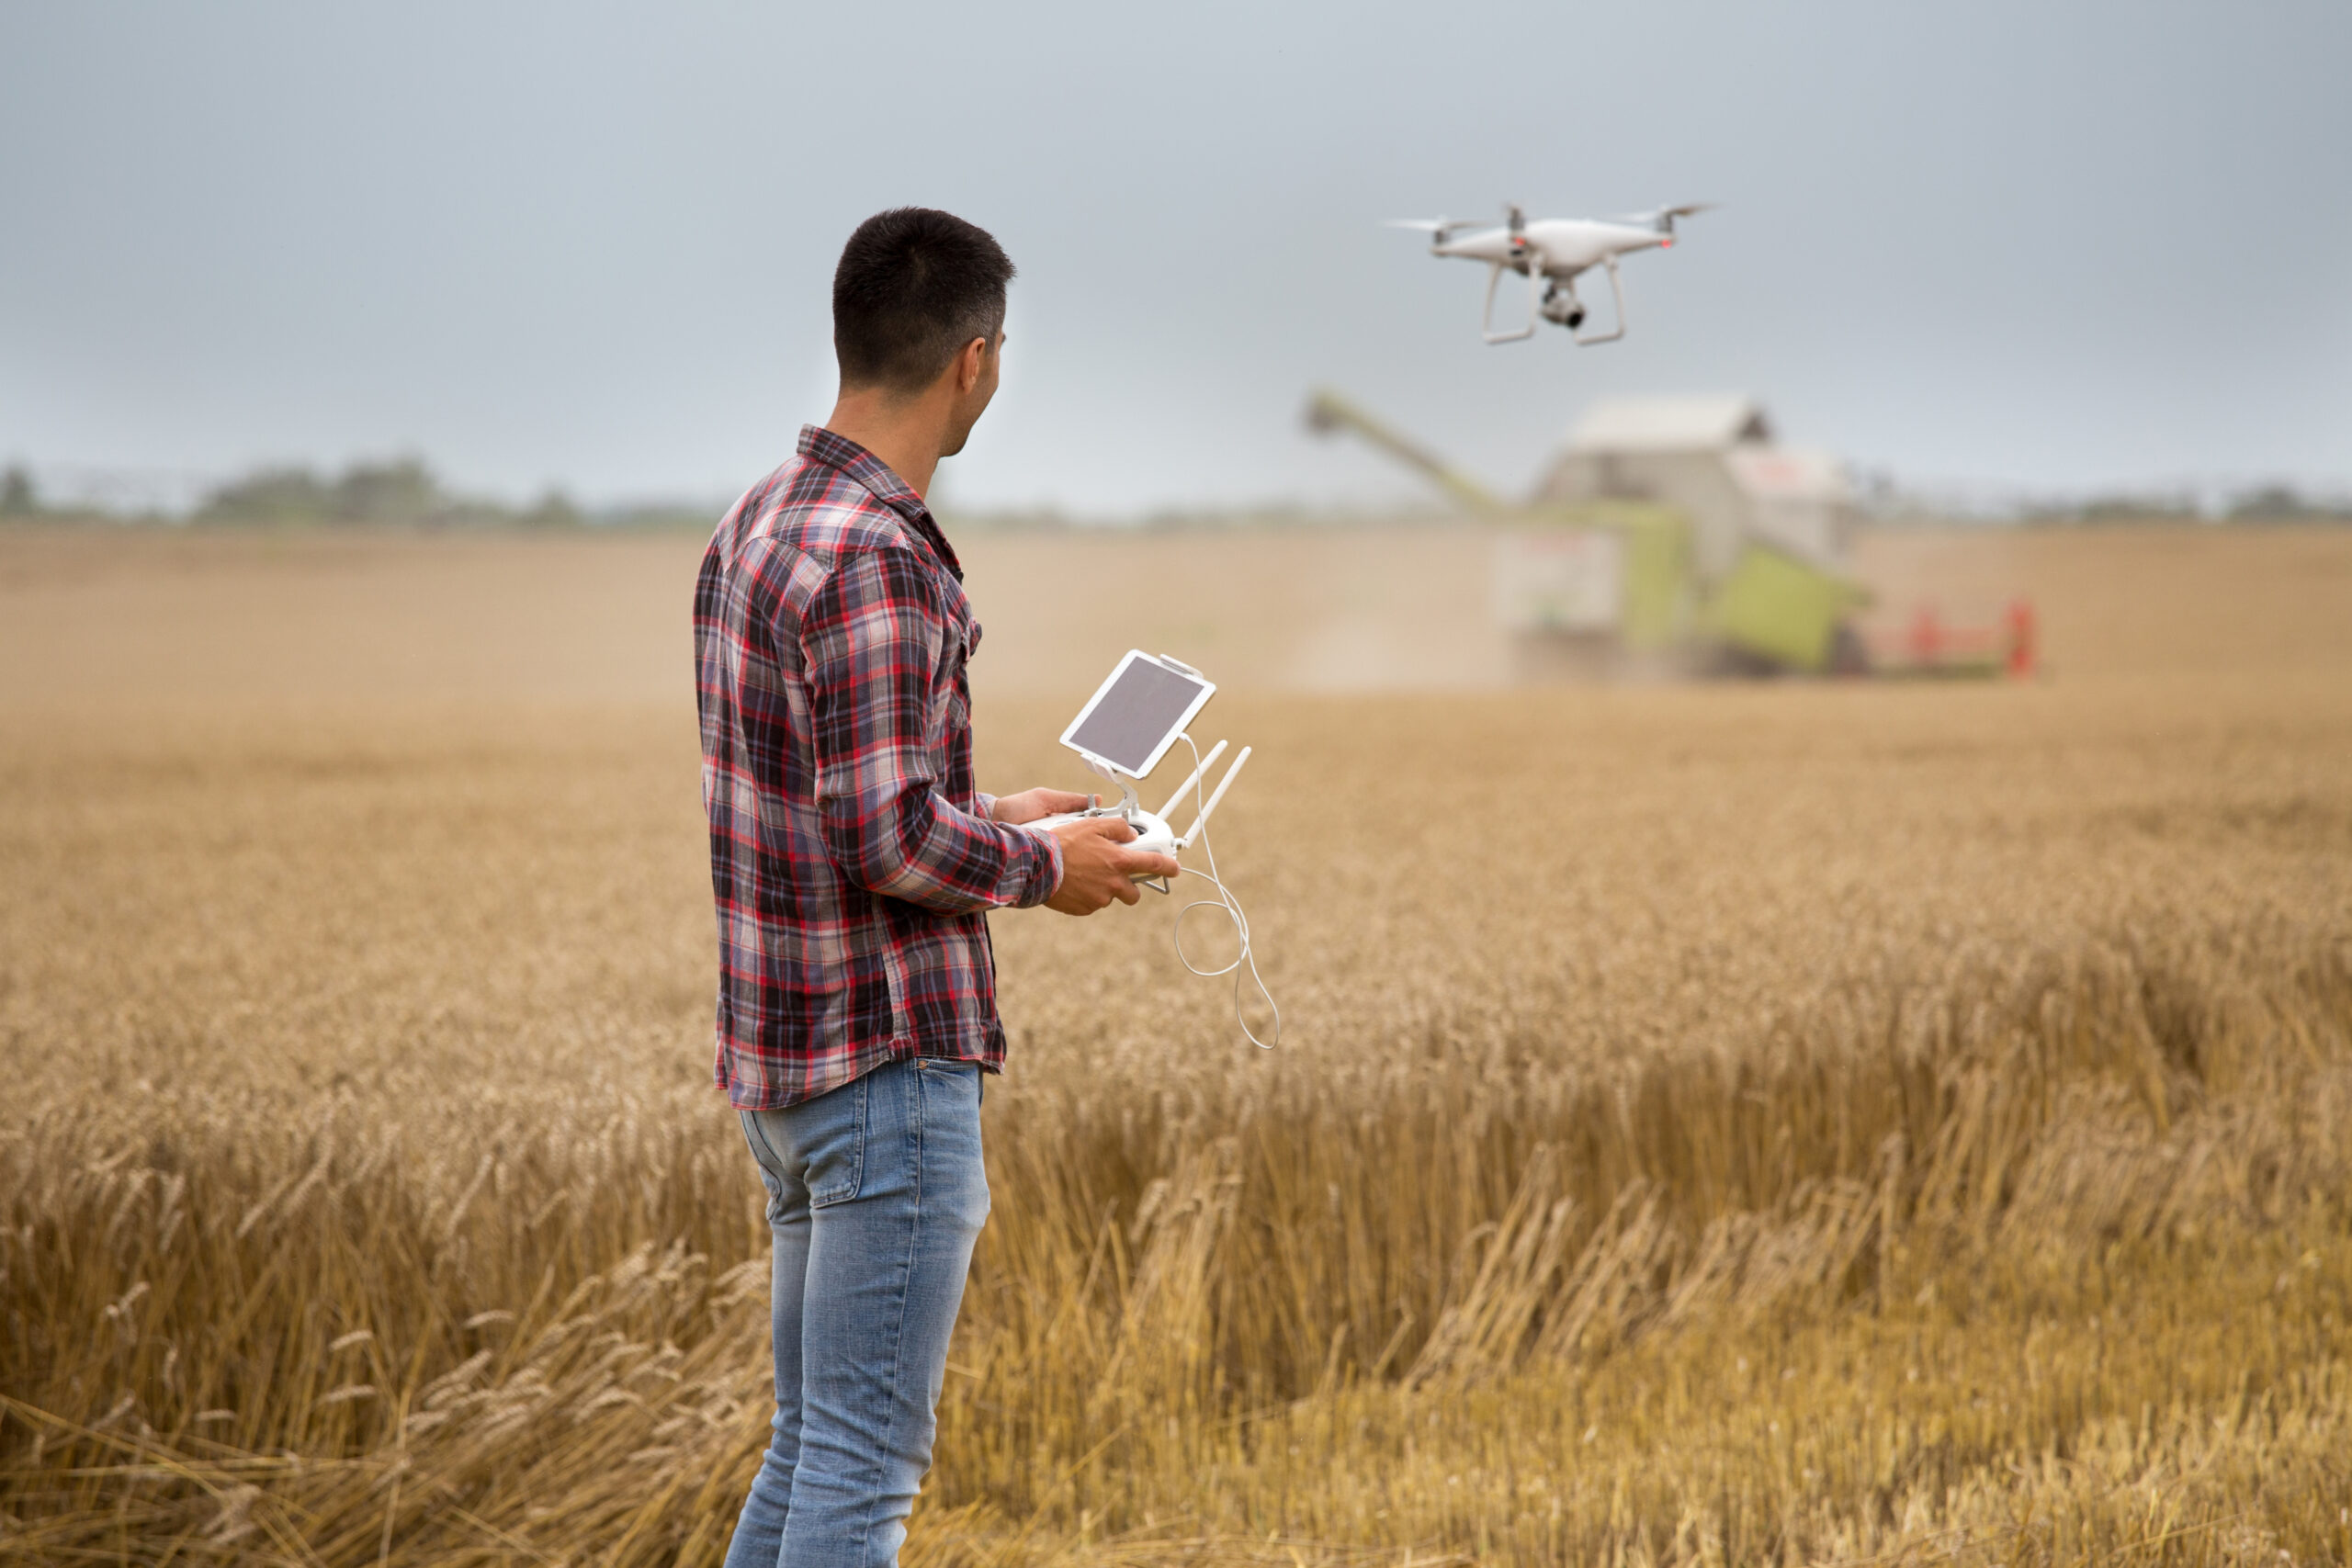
{"points": [[1550, 252]]}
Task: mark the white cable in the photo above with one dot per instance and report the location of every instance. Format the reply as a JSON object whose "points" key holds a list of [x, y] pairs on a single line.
{"points": [[1232, 906]]}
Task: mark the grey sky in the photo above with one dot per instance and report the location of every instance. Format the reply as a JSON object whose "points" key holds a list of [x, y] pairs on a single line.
{"points": [[2036, 244]]}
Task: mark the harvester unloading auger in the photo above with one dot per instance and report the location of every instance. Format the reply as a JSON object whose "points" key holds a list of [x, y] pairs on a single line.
{"points": [[1673, 535]]}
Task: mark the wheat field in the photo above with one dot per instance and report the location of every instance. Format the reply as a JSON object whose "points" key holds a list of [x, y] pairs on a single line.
{"points": [[1715, 1123]]}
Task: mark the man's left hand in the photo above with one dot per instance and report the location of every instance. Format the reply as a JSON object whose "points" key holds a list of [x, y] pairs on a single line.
{"points": [[1031, 805]]}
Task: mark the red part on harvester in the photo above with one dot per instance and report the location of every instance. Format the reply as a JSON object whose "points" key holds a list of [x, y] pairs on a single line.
{"points": [[1930, 645], [2018, 618]]}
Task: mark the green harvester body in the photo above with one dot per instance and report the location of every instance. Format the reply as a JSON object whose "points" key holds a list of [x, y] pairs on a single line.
{"points": [[1773, 609]]}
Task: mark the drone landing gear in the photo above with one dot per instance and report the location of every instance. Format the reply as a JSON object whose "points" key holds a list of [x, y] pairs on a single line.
{"points": [[1534, 268], [1552, 299]]}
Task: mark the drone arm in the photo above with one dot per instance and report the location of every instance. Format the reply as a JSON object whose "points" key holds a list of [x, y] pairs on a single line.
{"points": [[1534, 301], [1616, 292]]}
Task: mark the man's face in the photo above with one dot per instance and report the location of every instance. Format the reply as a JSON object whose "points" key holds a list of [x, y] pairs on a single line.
{"points": [[970, 403]]}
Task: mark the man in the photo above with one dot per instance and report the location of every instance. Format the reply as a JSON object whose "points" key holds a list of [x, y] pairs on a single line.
{"points": [[854, 863]]}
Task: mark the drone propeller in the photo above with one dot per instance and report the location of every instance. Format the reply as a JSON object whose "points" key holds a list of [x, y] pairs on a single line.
{"points": [[1662, 219], [1517, 217], [1439, 229]]}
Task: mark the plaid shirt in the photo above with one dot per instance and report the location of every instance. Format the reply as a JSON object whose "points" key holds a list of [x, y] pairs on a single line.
{"points": [[853, 860]]}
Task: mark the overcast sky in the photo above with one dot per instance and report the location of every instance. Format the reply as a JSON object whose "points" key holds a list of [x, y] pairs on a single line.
{"points": [[2041, 245]]}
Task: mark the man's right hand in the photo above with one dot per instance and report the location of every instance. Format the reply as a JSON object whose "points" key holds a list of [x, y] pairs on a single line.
{"points": [[1097, 867]]}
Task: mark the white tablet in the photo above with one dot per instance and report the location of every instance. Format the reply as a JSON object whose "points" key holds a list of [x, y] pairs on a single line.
{"points": [[1136, 714]]}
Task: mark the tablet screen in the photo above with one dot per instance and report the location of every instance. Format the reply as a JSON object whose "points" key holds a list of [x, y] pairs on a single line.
{"points": [[1133, 718]]}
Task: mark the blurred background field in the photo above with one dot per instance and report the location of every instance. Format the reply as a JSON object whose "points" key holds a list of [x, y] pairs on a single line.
{"points": [[1802, 1120], [249, 620]]}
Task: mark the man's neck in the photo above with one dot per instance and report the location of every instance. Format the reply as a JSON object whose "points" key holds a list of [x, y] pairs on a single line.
{"points": [[906, 434]]}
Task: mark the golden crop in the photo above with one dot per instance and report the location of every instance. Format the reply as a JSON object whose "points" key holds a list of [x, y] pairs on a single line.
{"points": [[1791, 1121]]}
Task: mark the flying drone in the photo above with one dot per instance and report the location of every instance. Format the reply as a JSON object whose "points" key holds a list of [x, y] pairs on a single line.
{"points": [[1550, 252]]}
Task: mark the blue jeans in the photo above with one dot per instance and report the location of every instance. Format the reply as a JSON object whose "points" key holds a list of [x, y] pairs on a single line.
{"points": [[876, 1195]]}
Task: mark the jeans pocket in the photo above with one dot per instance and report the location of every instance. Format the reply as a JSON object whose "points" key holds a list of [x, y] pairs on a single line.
{"points": [[954, 1069], [952, 1163], [763, 1157], [834, 1143]]}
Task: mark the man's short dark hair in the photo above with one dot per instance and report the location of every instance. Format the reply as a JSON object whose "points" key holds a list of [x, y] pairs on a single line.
{"points": [[915, 285]]}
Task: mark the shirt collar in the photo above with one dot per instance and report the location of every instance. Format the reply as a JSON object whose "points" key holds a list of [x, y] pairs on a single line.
{"points": [[821, 445]]}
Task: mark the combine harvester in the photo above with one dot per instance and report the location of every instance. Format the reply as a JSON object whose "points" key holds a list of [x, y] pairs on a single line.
{"points": [[1672, 535]]}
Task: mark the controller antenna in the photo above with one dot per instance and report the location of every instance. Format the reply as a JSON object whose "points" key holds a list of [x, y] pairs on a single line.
{"points": [[1199, 768], [1223, 785]]}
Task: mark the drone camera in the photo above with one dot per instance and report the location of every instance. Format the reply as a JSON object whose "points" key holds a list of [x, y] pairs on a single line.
{"points": [[1562, 309]]}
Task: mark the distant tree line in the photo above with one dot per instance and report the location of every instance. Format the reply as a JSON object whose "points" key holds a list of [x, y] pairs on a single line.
{"points": [[2264, 504], [2284, 503], [402, 490]]}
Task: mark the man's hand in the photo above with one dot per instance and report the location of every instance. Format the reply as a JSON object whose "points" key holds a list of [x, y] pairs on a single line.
{"points": [[1097, 866], [1031, 804]]}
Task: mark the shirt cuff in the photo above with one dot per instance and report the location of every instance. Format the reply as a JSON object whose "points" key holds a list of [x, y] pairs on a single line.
{"points": [[1052, 880]]}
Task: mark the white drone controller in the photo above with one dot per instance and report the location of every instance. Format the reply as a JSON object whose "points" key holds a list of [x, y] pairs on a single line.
{"points": [[1153, 834], [1122, 733]]}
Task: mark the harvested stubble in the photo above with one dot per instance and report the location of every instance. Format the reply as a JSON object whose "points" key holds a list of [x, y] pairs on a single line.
{"points": [[1724, 1124]]}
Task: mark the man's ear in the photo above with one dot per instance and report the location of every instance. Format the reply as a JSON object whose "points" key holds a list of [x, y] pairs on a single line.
{"points": [[969, 364]]}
